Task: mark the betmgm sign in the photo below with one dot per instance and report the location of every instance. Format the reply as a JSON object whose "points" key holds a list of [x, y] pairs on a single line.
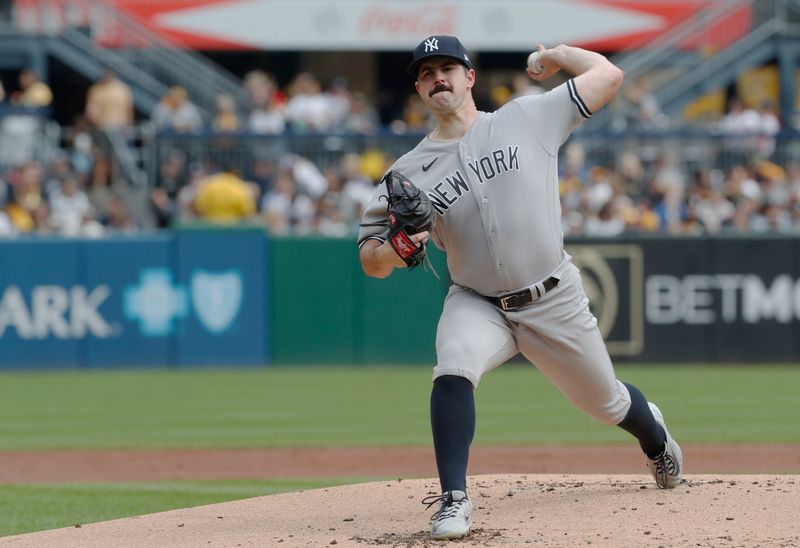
{"points": [[688, 299]]}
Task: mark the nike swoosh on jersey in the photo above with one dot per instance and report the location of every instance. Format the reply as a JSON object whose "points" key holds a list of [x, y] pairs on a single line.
{"points": [[427, 167]]}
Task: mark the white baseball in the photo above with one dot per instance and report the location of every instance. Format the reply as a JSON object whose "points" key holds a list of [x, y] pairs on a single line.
{"points": [[534, 64]]}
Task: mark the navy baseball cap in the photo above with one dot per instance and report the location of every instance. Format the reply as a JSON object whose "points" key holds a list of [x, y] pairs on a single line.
{"points": [[439, 46]]}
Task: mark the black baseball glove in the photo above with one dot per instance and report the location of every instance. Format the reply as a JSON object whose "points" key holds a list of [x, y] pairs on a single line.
{"points": [[410, 211]]}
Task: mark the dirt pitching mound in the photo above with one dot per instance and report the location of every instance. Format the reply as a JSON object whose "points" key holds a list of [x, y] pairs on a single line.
{"points": [[510, 510]]}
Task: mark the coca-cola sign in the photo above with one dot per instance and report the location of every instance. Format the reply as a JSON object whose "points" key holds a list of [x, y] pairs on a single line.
{"points": [[423, 20], [369, 25]]}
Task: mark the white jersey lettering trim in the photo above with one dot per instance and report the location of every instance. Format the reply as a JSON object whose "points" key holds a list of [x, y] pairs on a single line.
{"points": [[495, 163]]}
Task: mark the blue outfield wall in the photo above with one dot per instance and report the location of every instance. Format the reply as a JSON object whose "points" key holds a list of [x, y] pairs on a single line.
{"points": [[235, 297], [41, 280], [191, 297]]}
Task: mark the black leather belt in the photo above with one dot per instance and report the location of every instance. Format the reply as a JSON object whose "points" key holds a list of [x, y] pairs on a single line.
{"points": [[518, 299]]}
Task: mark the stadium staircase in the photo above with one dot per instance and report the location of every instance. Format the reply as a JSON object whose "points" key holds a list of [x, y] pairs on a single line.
{"points": [[146, 61], [678, 75], [149, 63]]}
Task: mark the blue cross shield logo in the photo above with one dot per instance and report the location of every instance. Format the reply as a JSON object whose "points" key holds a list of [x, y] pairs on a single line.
{"points": [[217, 298], [156, 303]]}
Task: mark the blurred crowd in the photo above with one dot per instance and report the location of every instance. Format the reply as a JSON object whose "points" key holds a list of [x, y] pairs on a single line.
{"points": [[305, 106], [80, 190], [741, 184], [664, 196]]}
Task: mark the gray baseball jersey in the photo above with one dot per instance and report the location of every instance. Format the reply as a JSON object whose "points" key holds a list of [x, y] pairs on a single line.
{"points": [[496, 192]]}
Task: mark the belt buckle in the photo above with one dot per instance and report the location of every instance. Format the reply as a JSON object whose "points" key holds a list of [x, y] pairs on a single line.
{"points": [[504, 302]]}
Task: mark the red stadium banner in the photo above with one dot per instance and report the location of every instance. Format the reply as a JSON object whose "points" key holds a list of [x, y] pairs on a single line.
{"points": [[719, 33], [502, 25]]}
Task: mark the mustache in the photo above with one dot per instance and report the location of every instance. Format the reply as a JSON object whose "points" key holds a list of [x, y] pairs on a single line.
{"points": [[438, 88]]}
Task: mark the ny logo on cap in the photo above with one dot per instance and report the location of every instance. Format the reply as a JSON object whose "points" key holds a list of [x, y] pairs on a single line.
{"points": [[431, 44]]}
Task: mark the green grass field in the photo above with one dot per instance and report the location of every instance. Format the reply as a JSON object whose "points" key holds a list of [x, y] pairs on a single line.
{"points": [[283, 407], [37, 507]]}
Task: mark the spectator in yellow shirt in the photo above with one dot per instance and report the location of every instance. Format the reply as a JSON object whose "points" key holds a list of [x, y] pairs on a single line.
{"points": [[225, 197], [109, 103], [33, 92]]}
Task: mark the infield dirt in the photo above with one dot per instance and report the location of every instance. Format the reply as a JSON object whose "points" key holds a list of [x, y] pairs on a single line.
{"points": [[510, 510]]}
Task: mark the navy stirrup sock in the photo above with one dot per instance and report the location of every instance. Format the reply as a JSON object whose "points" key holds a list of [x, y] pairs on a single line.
{"points": [[453, 427], [640, 422]]}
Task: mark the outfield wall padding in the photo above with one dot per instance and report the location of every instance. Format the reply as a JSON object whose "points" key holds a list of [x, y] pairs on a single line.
{"points": [[325, 310], [236, 297], [183, 298]]}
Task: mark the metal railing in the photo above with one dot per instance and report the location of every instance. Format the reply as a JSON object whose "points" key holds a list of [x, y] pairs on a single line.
{"points": [[688, 150], [242, 150], [167, 61], [642, 56], [144, 80], [143, 58], [703, 72], [663, 58], [676, 74], [26, 135]]}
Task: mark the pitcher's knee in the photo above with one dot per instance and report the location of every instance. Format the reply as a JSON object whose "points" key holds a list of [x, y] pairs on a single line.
{"points": [[612, 411], [610, 414], [443, 371]]}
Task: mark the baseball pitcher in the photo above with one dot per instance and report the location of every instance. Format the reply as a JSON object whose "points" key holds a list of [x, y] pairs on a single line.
{"points": [[484, 188]]}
